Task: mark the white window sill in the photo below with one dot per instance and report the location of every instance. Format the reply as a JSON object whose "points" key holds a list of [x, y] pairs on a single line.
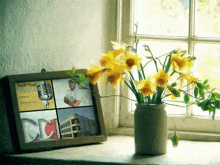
{"points": [[121, 150], [183, 135]]}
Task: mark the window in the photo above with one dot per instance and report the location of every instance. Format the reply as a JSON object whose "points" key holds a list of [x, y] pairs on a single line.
{"points": [[164, 25], [76, 128], [75, 121]]}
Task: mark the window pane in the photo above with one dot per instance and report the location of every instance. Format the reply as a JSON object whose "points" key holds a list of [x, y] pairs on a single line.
{"points": [[158, 49], [207, 18], [207, 66], [162, 17]]}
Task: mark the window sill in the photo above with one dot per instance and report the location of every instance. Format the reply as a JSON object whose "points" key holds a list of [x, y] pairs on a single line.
{"points": [[183, 135], [121, 150]]}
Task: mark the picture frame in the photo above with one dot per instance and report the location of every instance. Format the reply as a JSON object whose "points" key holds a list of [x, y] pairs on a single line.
{"points": [[49, 110]]}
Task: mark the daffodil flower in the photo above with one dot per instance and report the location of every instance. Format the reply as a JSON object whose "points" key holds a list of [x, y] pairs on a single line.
{"points": [[146, 87], [118, 46], [115, 77], [182, 64], [107, 60], [189, 79], [95, 73], [161, 79], [132, 60]]}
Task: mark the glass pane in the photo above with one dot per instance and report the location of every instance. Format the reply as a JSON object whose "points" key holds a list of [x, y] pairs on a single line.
{"points": [[162, 17], [160, 48], [207, 18], [207, 66]]}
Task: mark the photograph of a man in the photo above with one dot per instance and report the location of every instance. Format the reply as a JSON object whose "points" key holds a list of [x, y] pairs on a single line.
{"points": [[67, 93], [70, 97]]}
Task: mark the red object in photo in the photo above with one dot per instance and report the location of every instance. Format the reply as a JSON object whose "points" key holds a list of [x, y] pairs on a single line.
{"points": [[51, 127]]}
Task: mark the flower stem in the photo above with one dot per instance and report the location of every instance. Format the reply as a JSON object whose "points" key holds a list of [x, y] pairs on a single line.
{"points": [[94, 92], [153, 58]]}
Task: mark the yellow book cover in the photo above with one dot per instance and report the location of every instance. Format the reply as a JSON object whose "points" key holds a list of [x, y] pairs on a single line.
{"points": [[35, 95]]}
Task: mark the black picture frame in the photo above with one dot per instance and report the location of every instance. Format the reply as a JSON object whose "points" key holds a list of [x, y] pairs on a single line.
{"points": [[36, 115]]}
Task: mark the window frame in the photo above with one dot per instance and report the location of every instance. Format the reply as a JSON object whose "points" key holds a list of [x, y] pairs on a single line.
{"points": [[184, 123]]}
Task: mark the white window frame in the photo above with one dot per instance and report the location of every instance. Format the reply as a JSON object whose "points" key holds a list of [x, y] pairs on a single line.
{"points": [[188, 126]]}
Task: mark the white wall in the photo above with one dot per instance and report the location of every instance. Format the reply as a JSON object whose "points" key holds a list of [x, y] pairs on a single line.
{"points": [[55, 35], [52, 34]]}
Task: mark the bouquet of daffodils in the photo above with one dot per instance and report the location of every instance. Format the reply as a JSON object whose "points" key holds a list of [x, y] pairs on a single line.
{"points": [[120, 62], [153, 89]]}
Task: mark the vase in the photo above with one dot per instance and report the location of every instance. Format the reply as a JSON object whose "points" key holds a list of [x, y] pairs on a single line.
{"points": [[150, 129]]}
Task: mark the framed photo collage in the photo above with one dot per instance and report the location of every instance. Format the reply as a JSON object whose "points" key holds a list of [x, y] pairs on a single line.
{"points": [[54, 110]]}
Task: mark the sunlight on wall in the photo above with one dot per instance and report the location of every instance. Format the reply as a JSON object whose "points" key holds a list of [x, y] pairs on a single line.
{"points": [[50, 34]]}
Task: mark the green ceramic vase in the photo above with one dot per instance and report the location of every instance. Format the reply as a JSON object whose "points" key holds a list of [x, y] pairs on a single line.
{"points": [[150, 129]]}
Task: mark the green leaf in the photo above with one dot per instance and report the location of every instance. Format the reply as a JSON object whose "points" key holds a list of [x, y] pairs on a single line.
{"points": [[133, 86], [213, 115], [175, 92], [172, 72], [136, 82], [191, 58], [211, 108], [196, 91], [149, 99], [159, 93], [164, 64], [73, 69], [173, 84], [135, 92], [154, 98], [148, 57], [140, 98], [131, 75], [216, 95], [67, 72], [142, 69], [186, 98], [201, 93], [175, 139], [216, 103], [206, 87], [205, 82], [204, 105], [168, 65], [76, 80], [199, 85], [139, 75], [82, 79]]}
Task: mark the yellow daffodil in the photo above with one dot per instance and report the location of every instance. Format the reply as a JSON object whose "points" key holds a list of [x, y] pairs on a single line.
{"points": [[161, 79], [132, 60], [189, 79], [118, 67], [118, 52], [189, 63], [178, 63], [94, 73], [115, 77], [107, 60], [146, 87], [118, 46]]}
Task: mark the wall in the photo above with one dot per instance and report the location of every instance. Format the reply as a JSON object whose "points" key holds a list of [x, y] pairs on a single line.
{"points": [[52, 34], [55, 35]]}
